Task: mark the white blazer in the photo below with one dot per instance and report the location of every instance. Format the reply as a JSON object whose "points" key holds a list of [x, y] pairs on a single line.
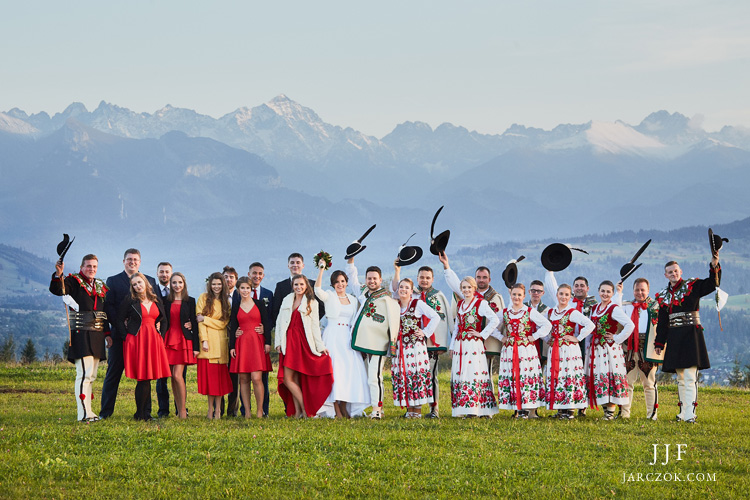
{"points": [[311, 323]]}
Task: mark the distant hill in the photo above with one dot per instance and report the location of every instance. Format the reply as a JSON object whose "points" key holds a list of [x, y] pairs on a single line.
{"points": [[23, 273]]}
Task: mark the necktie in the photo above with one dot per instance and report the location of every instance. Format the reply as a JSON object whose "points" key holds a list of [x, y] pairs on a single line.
{"points": [[633, 340], [255, 294], [164, 291]]}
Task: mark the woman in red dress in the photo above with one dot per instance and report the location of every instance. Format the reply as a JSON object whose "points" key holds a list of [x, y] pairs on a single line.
{"points": [[249, 344], [182, 337], [143, 346], [305, 370]]}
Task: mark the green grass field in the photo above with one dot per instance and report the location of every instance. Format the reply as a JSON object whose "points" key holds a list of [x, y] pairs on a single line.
{"points": [[47, 454]]}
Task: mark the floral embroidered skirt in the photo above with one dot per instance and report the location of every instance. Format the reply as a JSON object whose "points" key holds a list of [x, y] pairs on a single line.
{"points": [[606, 380], [569, 390], [471, 386], [412, 378], [529, 386]]}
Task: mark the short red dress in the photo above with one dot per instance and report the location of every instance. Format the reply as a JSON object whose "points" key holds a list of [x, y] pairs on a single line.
{"points": [[179, 349], [315, 372], [144, 354], [251, 353]]}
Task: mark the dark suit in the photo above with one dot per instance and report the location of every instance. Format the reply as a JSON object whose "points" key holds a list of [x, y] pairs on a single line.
{"points": [[232, 397], [162, 385], [267, 297], [119, 291]]}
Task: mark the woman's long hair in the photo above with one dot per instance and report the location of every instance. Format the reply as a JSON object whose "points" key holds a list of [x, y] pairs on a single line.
{"points": [[184, 294], [148, 293], [223, 298], [309, 293]]}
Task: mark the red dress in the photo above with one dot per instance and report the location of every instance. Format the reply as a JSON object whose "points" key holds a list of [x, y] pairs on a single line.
{"points": [[179, 349], [251, 353], [144, 354], [315, 372]]}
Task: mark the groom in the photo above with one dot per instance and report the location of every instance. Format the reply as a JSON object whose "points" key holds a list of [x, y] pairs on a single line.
{"points": [[377, 324]]}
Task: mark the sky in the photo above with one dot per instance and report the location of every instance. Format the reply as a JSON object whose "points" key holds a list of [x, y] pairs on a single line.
{"points": [[484, 65]]}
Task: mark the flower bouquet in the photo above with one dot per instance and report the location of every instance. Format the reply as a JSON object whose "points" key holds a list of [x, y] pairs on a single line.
{"points": [[323, 257]]}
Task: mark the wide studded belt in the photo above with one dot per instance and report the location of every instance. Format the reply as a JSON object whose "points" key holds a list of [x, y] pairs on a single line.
{"points": [[88, 320], [679, 319]]}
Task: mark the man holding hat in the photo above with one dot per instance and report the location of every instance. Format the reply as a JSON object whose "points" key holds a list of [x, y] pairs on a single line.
{"points": [[643, 312], [679, 332], [84, 294], [376, 326]]}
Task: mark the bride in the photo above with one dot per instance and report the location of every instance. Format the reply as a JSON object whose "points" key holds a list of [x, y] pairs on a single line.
{"points": [[350, 395]]}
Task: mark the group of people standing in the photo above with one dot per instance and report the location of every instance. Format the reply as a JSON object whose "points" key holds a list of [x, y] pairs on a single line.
{"points": [[333, 343]]}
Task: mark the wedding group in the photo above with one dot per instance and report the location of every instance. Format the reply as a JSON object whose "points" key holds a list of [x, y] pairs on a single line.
{"points": [[333, 342]]}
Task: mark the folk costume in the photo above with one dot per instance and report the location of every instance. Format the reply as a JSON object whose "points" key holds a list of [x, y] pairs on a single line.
{"points": [[471, 384], [88, 327], [520, 385], [644, 316], [298, 336], [680, 334], [492, 345], [541, 346], [566, 383], [438, 342], [604, 365], [349, 369], [410, 366], [375, 327], [213, 365], [143, 351]]}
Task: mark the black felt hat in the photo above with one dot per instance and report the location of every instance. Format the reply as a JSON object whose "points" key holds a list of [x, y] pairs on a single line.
{"points": [[628, 269], [356, 247], [716, 241], [510, 274], [408, 255], [440, 242], [558, 256], [64, 246]]}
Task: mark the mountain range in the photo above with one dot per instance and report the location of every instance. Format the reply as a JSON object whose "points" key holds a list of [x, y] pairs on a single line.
{"points": [[267, 180]]}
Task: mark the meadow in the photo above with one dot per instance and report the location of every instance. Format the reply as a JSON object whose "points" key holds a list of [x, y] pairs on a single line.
{"points": [[47, 454]]}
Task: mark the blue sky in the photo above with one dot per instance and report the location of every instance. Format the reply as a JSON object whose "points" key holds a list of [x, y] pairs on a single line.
{"points": [[371, 65]]}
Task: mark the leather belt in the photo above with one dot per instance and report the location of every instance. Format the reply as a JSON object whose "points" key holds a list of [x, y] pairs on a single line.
{"points": [[679, 319], [92, 321]]}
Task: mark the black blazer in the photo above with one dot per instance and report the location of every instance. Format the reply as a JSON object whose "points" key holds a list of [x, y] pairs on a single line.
{"points": [[284, 288], [265, 319], [187, 315], [119, 290], [128, 320]]}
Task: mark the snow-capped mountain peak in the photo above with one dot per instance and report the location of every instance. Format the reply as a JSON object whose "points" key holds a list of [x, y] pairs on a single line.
{"points": [[14, 125], [612, 138]]}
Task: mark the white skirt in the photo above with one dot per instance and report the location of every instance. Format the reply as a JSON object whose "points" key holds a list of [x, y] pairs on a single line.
{"points": [[349, 371], [471, 386], [570, 391], [532, 385], [609, 381]]}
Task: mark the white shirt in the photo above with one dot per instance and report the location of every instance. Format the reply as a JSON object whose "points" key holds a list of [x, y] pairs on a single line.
{"points": [[618, 314], [422, 309], [585, 325], [485, 311], [543, 326]]}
